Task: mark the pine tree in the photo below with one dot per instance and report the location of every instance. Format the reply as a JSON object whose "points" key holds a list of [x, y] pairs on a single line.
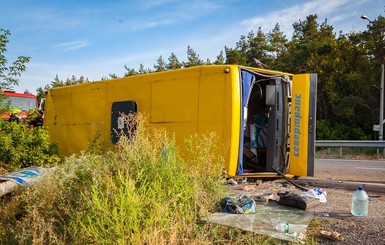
{"points": [[173, 62], [220, 59], [160, 64], [192, 58], [129, 71]]}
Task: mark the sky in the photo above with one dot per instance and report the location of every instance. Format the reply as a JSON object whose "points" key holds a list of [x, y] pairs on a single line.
{"points": [[95, 38]]}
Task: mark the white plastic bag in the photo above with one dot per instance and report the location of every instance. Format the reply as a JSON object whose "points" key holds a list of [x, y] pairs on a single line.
{"points": [[317, 193]]}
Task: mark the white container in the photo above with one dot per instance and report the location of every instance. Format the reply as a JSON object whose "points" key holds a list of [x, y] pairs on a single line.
{"points": [[360, 202], [290, 228]]}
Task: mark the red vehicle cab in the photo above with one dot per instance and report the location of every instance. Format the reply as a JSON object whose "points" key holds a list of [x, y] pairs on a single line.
{"points": [[23, 101]]}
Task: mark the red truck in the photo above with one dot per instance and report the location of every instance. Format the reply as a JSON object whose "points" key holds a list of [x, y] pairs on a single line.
{"points": [[19, 101]]}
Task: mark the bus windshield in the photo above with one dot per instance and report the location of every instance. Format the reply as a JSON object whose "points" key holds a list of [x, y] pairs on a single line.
{"points": [[21, 103]]}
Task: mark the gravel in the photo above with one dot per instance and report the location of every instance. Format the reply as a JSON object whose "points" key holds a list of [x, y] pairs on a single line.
{"points": [[355, 230], [335, 216]]}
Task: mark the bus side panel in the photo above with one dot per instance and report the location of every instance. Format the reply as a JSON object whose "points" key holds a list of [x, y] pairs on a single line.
{"points": [[302, 127], [57, 116], [88, 116], [235, 112], [75, 116], [215, 107], [211, 102], [174, 103], [185, 102]]}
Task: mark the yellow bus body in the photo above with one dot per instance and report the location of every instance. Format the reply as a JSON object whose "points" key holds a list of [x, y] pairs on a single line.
{"points": [[187, 101]]}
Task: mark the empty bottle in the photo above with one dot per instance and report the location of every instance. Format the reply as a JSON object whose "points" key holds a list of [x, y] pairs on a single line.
{"points": [[360, 202], [290, 228]]}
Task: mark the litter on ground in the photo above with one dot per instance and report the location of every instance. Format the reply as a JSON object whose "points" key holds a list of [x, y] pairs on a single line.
{"points": [[266, 219]]}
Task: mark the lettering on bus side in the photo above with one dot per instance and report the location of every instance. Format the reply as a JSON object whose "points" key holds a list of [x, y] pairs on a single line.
{"points": [[297, 124]]}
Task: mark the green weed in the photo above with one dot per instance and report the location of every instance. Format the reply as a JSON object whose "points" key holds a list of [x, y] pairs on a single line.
{"points": [[144, 192], [22, 147]]}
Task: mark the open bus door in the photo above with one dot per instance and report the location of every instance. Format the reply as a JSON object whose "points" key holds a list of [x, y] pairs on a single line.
{"points": [[303, 125]]}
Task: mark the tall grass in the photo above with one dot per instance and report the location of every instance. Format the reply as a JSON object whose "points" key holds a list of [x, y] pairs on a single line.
{"points": [[144, 192]]}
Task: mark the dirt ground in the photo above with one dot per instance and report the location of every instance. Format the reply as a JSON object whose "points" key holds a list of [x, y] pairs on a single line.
{"points": [[355, 230], [333, 216]]}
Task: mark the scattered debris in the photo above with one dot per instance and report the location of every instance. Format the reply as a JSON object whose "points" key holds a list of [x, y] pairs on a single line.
{"points": [[24, 176], [21, 178], [241, 180], [232, 182], [8, 187], [262, 197], [265, 220], [317, 193], [294, 200], [335, 236], [238, 205], [375, 196], [248, 187]]}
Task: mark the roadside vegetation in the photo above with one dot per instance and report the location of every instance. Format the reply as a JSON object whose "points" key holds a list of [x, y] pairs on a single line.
{"points": [[142, 193], [22, 147], [349, 153]]}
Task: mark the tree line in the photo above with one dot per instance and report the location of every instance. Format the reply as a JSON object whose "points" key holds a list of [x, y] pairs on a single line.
{"points": [[347, 64]]}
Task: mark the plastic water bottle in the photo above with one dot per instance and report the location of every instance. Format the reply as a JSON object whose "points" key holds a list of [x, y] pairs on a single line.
{"points": [[290, 228], [360, 202]]}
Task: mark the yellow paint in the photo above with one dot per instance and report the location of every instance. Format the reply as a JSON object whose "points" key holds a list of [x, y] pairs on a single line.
{"points": [[299, 125], [184, 102], [195, 100], [235, 111]]}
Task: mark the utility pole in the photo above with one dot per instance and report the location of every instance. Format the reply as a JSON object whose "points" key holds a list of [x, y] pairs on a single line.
{"points": [[380, 138], [381, 116]]}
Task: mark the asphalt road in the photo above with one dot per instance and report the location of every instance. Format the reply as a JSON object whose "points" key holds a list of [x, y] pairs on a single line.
{"points": [[356, 170]]}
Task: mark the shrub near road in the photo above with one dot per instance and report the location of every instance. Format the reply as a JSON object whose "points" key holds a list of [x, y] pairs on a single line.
{"points": [[143, 193], [23, 147]]}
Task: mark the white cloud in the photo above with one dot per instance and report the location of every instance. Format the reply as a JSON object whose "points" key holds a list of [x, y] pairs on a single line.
{"points": [[150, 24], [72, 45], [155, 3], [286, 17], [179, 11]]}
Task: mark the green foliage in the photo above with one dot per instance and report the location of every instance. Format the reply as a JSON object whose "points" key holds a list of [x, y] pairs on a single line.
{"points": [[220, 59], [4, 105], [57, 82], [144, 193], [129, 71], [24, 147], [234, 56], [192, 58], [143, 70], [327, 130], [160, 65], [173, 62], [9, 73]]}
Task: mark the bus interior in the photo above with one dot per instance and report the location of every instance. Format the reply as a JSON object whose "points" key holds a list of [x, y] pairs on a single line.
{"points": [[264, 123]]}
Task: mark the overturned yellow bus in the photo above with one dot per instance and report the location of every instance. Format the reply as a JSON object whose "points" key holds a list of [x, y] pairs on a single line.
{"points": [[265, 118]]}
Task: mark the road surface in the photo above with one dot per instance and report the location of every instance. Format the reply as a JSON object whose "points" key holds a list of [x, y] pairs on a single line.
{"points": [[345, 169]]}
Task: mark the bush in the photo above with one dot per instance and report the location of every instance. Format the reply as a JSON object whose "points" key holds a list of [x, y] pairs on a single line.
{"points": [[23, 147], [143, 193]]}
